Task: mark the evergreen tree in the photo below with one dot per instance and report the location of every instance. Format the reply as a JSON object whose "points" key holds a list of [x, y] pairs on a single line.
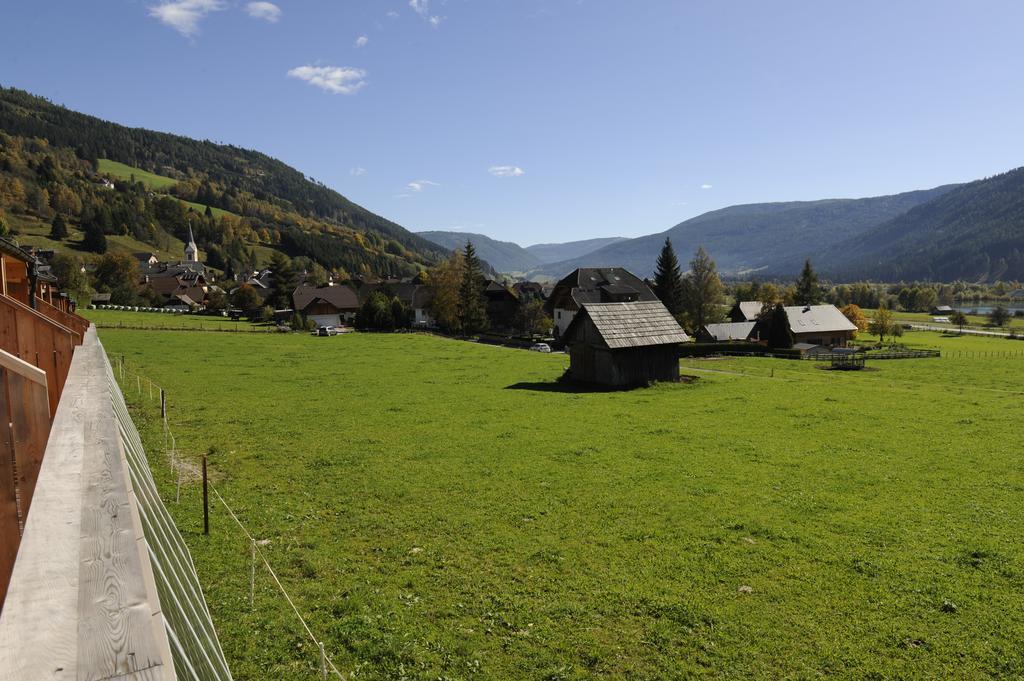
{"points": [[58, 228], [284, 281], [94, 240], [668, 280], [779, 333], [472, 304], [4, 227], [702, 292], [808, 290]]}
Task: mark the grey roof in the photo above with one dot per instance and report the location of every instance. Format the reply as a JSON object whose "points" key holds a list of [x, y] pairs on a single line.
{"points": [[750, 309], [730, 331], [632, 325], [817, 319]]}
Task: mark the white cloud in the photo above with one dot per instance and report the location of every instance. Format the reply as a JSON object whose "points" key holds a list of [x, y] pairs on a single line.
{"points": [[506, 171], [705, 186], [422, 7], [420, 185], [361, 41], [267, 11], [184, 15], [357, 172], [341, 80], [392, 14]]}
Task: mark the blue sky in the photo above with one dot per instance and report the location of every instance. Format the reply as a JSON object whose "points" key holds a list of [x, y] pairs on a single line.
{"points": [[553, 120]]}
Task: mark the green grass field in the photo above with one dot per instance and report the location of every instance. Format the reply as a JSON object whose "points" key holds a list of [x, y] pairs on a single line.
{"points": [[441, 509], [112, 319], [126, 172]]}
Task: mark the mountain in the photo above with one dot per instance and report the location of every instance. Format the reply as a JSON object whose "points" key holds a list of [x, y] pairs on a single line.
{"points": [[503, 256], [754, 237], [547, 253], [256, 202], [974, 232]]}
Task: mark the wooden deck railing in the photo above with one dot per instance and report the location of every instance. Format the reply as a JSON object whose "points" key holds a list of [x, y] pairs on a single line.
{"points": [[25, 412], [72, 321], [40, 341]]}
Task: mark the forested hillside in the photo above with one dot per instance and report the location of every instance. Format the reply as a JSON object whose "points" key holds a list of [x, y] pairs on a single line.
{"points": [[974, 232], [503, 256], [754, 237], [242, 202], [570, 249]]}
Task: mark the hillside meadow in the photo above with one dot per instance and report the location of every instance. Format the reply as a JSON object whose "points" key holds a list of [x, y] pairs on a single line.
{"points": [[444, 510]]}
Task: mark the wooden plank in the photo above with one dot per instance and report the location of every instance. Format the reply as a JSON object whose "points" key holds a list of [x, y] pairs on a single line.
{"points": [[10, 518], [18, 366], [79, 604]]}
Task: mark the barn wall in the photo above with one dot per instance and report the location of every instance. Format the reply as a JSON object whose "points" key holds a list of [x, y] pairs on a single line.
{"points": [[634, 366]]}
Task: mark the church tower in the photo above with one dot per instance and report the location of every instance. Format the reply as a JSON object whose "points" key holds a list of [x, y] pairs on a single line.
{"points": [[191, 250]]}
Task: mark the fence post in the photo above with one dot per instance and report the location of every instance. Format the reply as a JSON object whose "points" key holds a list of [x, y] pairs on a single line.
{"points": [[163, 408], [323, 661], [206, 501], [138, 384]]}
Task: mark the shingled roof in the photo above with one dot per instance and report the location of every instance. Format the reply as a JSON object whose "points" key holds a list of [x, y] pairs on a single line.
{"points": [[630, 325]]}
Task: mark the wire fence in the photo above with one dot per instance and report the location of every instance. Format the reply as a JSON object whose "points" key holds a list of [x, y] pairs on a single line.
{"points": [[148, 390]]}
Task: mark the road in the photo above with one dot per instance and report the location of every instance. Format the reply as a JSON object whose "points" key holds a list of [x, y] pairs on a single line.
{"points": [[974, 332]]}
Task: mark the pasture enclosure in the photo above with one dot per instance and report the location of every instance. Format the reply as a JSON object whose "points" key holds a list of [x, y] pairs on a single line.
{"points": [[442, 509]]}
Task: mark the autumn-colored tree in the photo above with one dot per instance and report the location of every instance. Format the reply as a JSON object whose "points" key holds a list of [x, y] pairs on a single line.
{"points": [[444, 281], [881, 323], [856, 317]]}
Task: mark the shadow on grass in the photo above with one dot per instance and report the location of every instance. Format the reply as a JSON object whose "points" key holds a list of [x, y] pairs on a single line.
{"points": [[562, 387]]}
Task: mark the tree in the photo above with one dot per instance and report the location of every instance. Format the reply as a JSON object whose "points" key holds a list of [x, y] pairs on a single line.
{"points": [[531, 319], [5, 227], [779, 333], [94, 240], [70, 278], [702, 292], [58, 228], [881, 323], [246, 299], [856, 317], [960, 319], [118, 274], [808, 290], [472, 304], [444, 281], [668, 280], [216, 300], [999, 316], [376, 313], [284, 281]]}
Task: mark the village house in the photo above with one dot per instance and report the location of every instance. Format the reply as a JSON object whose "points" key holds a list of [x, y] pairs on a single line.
{"points": [[593, 285], [728, 331], [330, 305], [502, 306], [624, 344], [820, 325]]}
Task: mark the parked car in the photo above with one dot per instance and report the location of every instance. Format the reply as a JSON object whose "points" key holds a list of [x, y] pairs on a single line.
{"points": [[540, 347], [326, 331]]}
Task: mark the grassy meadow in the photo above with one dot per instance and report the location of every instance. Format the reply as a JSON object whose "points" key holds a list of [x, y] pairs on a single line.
{"points": [[104, 319], [444, 510]]}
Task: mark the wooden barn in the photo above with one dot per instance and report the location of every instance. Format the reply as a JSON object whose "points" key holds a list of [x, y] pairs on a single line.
{"points": [[624, 344]]}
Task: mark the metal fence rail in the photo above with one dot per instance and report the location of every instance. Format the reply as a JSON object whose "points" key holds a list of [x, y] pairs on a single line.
{"points": [[197, 651]]}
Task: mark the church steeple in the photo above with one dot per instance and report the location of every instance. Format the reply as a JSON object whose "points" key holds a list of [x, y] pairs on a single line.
{"points": [[191, 250]]}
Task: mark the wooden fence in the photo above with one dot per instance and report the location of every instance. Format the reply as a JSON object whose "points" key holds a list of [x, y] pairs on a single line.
{"points": [[24, 408]]}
